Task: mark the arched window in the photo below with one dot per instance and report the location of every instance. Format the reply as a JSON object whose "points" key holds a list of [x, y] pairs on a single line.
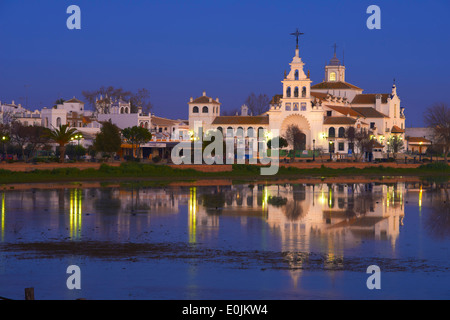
{"points": [[341, 132], [331, 132], [288, 92], [126, 110], [240, 132], [304, 92], [229, 132], [260, 132], [121, 110], [205, 109], [58, 122], [250, 132], [296, 74], [220, 129], [333, 76], [296, 92], [146, 125], [195, 109]]}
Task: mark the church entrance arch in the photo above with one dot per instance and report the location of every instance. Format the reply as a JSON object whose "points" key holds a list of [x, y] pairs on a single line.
{"points": [[302, 123]]}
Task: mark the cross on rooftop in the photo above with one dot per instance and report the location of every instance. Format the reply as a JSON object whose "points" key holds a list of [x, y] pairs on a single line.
{"points": [[297, 34]]}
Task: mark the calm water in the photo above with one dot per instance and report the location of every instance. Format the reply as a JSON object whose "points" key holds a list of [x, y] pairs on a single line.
{"points": [[291, 241]]}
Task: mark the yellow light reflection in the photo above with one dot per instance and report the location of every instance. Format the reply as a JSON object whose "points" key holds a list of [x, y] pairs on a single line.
{"points": [[420, 198], [75, 213], [192, 214]]}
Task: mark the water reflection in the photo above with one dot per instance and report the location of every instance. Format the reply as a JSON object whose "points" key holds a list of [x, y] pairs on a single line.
{"points": [[75, 213], [438, 221], [299, 217]]}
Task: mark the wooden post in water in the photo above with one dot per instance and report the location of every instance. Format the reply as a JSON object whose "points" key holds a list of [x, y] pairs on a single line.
{"points": [[29, 293]]}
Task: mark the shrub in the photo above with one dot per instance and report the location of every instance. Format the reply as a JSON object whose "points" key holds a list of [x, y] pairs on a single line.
{"points": [[156, 159]]}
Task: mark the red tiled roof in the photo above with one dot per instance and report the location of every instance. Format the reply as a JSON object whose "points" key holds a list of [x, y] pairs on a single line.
{"points": [[339, 120], [74, 100], [369, 112], [163, 121], [334, 85], [396, 129], [319, 95], [204, 99], [417, 140], [369, 98], [223, 120], [344, 110]]}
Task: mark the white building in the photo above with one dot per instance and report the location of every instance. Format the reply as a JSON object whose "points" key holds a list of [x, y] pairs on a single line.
{"points": [[322, 112]]}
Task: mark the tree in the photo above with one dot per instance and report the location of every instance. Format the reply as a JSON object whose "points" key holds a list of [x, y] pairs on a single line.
{"points": [[257, 104], [295, 137], [141, 99], [138, 99], [37, 139], [395, 144], [61, 136], [437, 118], [362, 142], [108, 140], [282, 143], [59, 101], [136, 136], [350, 134]]}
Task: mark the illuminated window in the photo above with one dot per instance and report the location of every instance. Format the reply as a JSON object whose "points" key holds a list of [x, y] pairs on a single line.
{"points": [[288, 107], [333, 76], [295, 108], [303, 106]]}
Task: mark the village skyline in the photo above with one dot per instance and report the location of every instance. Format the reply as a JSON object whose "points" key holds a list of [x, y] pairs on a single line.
{"points": [[230, 59]]}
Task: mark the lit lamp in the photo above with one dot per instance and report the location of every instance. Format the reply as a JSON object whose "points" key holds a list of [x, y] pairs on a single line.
{"points": [[5, 138], [77, 137], [387, 150]]}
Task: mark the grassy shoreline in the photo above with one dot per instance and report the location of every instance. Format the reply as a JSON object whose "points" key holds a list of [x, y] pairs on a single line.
{"points": [[138, 171]]}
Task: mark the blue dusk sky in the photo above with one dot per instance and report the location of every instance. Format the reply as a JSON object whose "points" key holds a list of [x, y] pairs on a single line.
{"points": [[177, 49]]}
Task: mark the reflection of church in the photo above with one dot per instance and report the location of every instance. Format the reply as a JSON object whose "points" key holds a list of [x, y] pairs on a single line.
{"points": [[322, 218], [334, 218]]}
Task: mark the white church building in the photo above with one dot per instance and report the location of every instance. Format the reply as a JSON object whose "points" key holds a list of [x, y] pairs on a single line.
{"points": [[322, 111]]}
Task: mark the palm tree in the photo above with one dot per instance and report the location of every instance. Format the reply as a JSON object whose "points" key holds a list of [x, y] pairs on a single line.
{"points": [[61, 136]]}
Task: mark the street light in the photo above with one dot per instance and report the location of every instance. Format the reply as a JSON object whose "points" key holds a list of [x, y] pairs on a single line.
{"points": [[77, 137], [314, 149], [5, 138]]}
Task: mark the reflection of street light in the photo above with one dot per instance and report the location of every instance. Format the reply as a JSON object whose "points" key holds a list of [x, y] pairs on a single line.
{"points": [[314, 149]]}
